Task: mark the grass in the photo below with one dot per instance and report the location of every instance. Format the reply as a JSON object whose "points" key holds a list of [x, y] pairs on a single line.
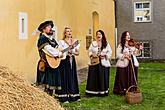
{"points": [[151, 80]]}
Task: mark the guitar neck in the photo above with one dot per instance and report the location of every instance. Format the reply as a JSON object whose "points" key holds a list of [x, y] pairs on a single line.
{"points": [[66, 49], [74, 45]]}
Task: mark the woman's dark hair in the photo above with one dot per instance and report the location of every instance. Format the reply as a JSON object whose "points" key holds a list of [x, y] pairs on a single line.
{"points": [[123, 40], [104, 41]]}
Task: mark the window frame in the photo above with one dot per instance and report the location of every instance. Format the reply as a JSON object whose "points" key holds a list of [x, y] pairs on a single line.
{"points": [[142, 9], [23, 25], [142, 51]]}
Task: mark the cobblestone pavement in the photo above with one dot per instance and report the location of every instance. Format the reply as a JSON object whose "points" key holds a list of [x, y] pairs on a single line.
{"points": [[82, 75]]}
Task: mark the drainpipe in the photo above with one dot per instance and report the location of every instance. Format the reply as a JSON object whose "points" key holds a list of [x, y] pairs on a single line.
{"points": [[115, 4]]}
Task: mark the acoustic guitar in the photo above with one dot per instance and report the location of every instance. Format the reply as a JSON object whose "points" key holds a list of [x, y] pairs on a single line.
{"points": [[54, 62]]}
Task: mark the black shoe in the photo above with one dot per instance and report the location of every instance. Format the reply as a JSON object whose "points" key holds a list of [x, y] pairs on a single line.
{"points": [[50, 92]]}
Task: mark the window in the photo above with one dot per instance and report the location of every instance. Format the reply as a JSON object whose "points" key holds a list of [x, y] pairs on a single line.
{"points": [[95, 17], [23, 25], [147, 51], [142, 11]]}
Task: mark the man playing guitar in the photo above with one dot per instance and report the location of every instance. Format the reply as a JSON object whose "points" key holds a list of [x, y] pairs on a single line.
{"points": [[46, 75]]}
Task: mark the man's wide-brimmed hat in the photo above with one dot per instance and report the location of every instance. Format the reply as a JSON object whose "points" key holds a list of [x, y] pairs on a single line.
{"points": [[44, 24]]}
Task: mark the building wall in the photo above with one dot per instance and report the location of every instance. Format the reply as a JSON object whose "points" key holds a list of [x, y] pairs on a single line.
{"points": [[153, 31], [77, 14], [21, 56]]}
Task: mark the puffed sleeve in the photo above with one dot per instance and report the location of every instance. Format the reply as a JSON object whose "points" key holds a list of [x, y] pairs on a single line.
{"points": [[109, 51], [51, 50], [61, 44], [90, 50], [137, 52], [119, 54], [77, 47]]}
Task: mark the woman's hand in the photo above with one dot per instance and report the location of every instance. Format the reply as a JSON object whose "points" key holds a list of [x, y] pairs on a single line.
{"points": [[141, 47], [127, 57], [76, 52], [61, 55], [94, 55], [103, 56], [70, 51]]}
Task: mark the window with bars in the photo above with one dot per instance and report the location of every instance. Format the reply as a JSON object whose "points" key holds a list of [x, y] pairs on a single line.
{"points": [[23, 25], [147, 51], [142, 11]]}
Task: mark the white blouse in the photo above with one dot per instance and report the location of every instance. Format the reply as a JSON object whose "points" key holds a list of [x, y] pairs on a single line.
{"points": [[122, 61], [64, 45], [106, 51], [51, 50]]}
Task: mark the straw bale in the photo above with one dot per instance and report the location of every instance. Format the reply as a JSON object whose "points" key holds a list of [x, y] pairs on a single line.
{"points": [[17, 93]]}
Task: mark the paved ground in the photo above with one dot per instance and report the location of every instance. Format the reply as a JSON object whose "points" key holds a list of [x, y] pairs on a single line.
{"points": [[82, 75]]}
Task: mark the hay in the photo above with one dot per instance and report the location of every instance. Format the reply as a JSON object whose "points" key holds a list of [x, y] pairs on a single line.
{"points": [[17, 94]]}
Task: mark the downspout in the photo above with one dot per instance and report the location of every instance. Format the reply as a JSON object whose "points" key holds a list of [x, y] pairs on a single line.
{"points": [[115, 3]]}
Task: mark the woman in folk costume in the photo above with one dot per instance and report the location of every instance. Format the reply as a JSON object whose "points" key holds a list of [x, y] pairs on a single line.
{"points": [[68, 69], [98, 73], [47, 75], [126, 62]]}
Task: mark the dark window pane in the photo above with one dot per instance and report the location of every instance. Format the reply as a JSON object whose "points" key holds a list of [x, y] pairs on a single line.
{"points": [[146, 45], [147, 52], [141, 54], [146, 5], [138, 5]]}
